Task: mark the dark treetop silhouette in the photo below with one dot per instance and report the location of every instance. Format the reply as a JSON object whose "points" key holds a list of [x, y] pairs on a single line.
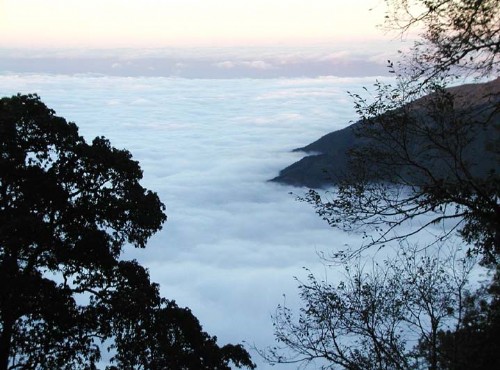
{"points": [[67, 209]]}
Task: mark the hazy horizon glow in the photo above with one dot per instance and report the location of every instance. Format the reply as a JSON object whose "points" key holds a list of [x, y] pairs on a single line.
{"points": [[154, 23]]}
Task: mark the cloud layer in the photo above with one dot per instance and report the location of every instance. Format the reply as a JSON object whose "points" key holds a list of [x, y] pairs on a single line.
{"points": [[364, 58], [233, 241]]}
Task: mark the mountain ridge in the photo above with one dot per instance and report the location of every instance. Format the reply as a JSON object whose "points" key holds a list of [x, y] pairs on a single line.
{"points": [[327, 159]]}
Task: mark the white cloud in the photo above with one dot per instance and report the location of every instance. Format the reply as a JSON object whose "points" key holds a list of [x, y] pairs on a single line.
{"points": [[226, 64], [361, 59], [257, 64], [233, 241], [254, 64]]}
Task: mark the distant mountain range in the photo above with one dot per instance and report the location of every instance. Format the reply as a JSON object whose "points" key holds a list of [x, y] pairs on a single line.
{"points": [[327, 159]]}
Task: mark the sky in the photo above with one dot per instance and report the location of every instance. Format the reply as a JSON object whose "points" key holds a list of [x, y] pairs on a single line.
{"points": [[160, 23], [196, 39]]}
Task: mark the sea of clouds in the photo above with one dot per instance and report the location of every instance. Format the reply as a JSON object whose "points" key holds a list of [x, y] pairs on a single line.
{"points": [[233, 242], [353, 59]]}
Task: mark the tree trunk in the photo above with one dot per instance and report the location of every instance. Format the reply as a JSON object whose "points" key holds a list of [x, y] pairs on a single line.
{"points": [[8, 276], [5, 343], [433, 354]]}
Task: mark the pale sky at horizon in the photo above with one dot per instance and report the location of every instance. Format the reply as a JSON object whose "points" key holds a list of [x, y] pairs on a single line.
{"points": [[161, 23]]}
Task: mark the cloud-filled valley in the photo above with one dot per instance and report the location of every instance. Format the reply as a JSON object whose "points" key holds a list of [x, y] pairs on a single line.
{"points": [[233, 241]]}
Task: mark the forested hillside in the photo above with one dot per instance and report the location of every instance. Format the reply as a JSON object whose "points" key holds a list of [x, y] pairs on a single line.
{"points": [[327, 161]]}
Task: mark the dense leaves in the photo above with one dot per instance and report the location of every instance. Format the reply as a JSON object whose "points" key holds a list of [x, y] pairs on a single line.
{"points": [[172, 338], [473, 345], [67, 210]]}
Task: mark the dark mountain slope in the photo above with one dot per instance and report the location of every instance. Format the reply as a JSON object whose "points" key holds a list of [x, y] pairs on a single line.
{"points": [[328, 160]]}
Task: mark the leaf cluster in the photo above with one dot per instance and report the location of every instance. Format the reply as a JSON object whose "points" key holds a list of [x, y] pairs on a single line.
{"points": [[68, 208]]}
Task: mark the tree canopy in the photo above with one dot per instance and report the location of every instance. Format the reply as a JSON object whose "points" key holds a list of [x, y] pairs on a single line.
{"points": [[67, 210], [419, 158], [421, 139], [457, 36], [381, 315], [416, 169]]}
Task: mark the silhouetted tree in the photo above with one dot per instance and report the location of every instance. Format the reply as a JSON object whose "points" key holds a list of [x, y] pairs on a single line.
{"points": [[474, 345], [415, 166], [150, 332], [172, 338], [420, 163], [377, 315], [67, 209], [425, 149], [457, 36]]}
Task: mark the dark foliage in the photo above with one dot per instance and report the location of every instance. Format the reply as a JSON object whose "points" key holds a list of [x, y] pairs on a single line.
{"points": [[426, 155], [154, 333], [475, 345], [424, 150], [458, 36], [435, 157], [375, 319], [428, 150], [67, 209]]}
